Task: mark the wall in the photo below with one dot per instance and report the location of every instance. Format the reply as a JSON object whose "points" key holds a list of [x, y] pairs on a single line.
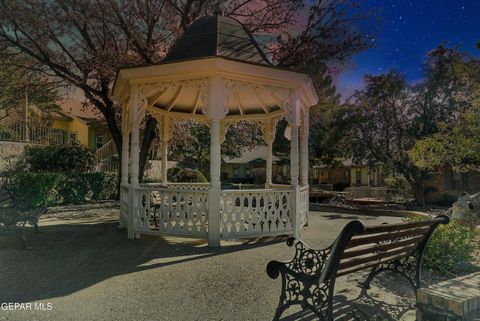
{"points": [[78, 126], [10, 153], [363, 176]]}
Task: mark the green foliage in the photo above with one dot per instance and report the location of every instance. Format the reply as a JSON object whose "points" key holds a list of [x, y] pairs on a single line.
{"points": [[186, 175], [415, 129], [16, 81], [75, 158], [399, 182], [451, 247], [192, 141], [55, 188]]}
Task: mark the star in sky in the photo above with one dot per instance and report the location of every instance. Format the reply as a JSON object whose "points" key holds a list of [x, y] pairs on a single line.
{"points": [[408, 31]]}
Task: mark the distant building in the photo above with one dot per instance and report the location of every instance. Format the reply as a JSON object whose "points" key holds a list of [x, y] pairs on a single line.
{"points": [[347, 173], [245, 166], [82, 120], [73, 122], [448, 182]]}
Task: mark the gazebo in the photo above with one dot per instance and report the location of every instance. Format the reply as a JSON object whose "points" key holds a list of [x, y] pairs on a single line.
{"points": [[216, 75]]}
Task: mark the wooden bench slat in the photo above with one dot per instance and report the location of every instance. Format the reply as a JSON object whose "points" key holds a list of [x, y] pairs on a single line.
{"points": [[396, 227], [356, 241], [382, 247], [371, 264], [376, 258]]}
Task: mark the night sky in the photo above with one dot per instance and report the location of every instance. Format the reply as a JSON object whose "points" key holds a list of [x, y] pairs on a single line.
{"points": [[407, 31]]}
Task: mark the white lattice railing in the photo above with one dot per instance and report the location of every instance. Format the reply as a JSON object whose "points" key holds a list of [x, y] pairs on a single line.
{"points": [[304, 202], [190, 186], [171, 211], [262, 212], [124, 205]]}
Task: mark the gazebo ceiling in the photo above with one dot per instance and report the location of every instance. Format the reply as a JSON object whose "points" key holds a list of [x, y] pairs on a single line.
{"points": [[218, 47]]}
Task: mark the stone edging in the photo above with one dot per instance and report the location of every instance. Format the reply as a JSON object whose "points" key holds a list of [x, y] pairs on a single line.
{"points": [[363, 211]]}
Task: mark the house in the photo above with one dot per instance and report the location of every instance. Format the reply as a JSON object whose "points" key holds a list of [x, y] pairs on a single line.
{"points": [[72, 122], [252, 164], [82, 120], [348, 173], [448, 183]]}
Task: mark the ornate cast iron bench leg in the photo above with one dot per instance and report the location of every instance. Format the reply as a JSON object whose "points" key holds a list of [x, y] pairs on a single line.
{"points": [[409, 267], [301, 282]]}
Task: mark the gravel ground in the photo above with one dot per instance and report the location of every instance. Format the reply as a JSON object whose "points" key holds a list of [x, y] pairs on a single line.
{"points": [[86, 268]]}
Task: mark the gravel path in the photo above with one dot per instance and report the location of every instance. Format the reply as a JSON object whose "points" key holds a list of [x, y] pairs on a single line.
{"points": [[86, 268]]}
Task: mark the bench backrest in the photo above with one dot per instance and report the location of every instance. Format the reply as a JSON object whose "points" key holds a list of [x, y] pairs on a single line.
{"points": [[359, 247], [6, 199]]}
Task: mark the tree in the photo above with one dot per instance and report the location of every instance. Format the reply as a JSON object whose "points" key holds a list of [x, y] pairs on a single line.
{"points": [[456, 144], [393, 121], [192, 141], [18, 83], [83, 42]]}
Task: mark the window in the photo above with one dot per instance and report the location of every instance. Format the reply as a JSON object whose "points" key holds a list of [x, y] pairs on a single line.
{"points": [[99, 141]]}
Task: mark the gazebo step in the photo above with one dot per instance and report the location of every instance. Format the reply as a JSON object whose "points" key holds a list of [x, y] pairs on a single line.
{"points": [[452, 300]]}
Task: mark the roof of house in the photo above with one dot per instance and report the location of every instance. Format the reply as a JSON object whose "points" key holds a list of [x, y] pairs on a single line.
{"points": [[79, 109], [256, 154], [217, 36]]}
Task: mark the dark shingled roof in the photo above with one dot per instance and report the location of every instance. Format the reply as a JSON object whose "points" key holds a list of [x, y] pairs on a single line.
{"points": [[217, 36]]}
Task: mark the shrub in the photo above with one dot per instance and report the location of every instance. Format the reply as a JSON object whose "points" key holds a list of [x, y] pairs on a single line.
{"points": [[49, 189], [451, 247], [340, 186], [446, 200], [400, 183], [186, 175], [74, 158]]}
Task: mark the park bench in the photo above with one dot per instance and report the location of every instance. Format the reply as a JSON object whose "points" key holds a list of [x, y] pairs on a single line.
{"points": [[13, 219], [309, 278]]}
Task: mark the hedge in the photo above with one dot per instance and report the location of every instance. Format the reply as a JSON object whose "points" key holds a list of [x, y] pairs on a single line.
{"points": [[58, 158], [185, 175], [49, 189]]}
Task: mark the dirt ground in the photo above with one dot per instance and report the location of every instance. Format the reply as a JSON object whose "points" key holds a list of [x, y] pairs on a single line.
{"points": [[83, 267]]}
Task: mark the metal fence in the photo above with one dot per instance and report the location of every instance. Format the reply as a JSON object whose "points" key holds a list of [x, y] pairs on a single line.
{"points": [[37, 134]]}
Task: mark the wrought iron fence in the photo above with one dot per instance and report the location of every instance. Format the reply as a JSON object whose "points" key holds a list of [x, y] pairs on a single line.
{"points": [[17, 132]]}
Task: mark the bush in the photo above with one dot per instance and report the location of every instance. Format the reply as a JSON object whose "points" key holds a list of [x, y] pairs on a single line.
{"points": [[451, 247], [49, 189], [186, 175], [400, 183], [446, 200], [74, 158], [340, 186]]}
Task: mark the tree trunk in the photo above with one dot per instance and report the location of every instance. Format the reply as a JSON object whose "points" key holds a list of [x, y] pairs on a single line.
{"points": [[149, 135], [419, 189]]}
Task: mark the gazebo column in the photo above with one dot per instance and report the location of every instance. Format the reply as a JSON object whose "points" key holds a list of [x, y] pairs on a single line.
{"points": [[216, 100], [135, 157], [304, 162], [125, 156], [165, 130], [268, 134], [294, 122]]}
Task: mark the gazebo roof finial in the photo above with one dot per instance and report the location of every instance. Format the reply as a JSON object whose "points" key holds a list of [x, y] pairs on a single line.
{"points": [[219, 9]]}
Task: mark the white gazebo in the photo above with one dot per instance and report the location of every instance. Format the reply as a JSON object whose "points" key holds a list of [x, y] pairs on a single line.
{"points": [[216, 75]]}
